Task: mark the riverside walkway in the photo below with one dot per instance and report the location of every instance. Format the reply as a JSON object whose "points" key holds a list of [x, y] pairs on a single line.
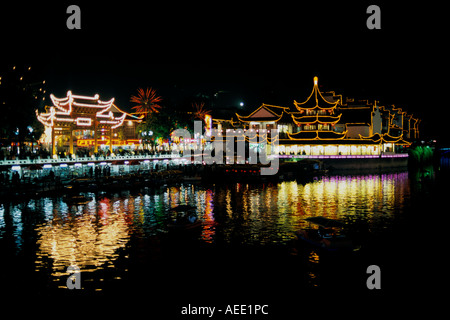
{"points": [[92, 159], [153, 161], [33, 178], [163, 157]]}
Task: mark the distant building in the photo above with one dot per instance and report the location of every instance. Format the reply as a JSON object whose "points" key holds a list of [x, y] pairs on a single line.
{"points": [[324, 125]]}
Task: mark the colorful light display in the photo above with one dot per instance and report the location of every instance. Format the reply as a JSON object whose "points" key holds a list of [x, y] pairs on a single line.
{"points": [[87, 112], [323, 125]]}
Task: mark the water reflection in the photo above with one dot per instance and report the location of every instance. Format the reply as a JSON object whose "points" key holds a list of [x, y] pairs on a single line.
{"points": [[11, 227], [108, 229], [273, 213], [87, 237], [313, 266], [91, 236]]}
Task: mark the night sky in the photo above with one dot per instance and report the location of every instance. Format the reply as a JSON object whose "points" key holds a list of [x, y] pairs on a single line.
{"points": [[263, 53]]}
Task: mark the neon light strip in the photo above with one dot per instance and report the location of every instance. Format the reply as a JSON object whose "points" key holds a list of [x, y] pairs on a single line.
{"points": [[95, 97], [399, 155], [108, 122], [78, 104], [64, 119], [121, 119], [86, 122], [106, 102], [109, 115]]}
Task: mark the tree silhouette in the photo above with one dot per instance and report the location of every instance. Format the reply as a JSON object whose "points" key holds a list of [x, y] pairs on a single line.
{"points": [[147, 102]]}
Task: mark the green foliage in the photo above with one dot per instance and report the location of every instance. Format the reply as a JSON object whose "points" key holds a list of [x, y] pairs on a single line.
{"points": [[161, 124], [421, 154]]}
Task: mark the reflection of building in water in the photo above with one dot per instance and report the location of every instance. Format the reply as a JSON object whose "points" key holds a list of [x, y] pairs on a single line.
{"points": [[201, 200], [340, 196], [83, 240], [91, 237], [274, 213]]}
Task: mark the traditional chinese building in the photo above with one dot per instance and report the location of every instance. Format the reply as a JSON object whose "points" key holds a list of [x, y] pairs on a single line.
{"points": [[324, 125], [91, 121]]}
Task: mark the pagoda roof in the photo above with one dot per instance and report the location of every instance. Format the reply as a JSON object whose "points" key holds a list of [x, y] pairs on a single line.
{"points": [[315, 100], [265, 112], [82, 111], [316, 135], [314, 119], [128, 116], [85, 104], [385, 138]]}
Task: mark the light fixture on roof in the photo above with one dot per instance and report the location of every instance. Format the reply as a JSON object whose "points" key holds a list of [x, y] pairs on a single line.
{"points": [[316, 80]]}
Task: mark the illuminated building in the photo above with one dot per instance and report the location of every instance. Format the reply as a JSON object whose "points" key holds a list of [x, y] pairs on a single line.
{"points": [[90, 119], [324, 125]]}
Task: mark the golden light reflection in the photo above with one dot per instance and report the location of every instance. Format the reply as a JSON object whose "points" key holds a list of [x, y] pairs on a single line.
{"points": [[208, 230], [92, 235], [275, 213], [313, 273], [228, 203], [81, 240], [336, 196]]}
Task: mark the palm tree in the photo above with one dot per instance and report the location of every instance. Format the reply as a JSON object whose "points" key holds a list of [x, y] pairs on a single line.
{"points": [[200, 111], [147, 101]]}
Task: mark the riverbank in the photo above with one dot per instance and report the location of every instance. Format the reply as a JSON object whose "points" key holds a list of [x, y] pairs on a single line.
{"points": [[108, 181], [61, 177], [55, 186], [399, 161]]}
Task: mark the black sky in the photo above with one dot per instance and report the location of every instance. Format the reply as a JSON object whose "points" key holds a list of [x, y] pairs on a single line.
{"points": [[263, 52]]}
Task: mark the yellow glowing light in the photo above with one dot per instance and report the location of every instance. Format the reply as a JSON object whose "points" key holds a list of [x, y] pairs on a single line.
{"points": [[208, 124], [83, 121], [318, 121], [84, 243]]}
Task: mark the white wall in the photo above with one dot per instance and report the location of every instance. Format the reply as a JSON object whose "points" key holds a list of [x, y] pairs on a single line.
{"points": [[376, 121]]}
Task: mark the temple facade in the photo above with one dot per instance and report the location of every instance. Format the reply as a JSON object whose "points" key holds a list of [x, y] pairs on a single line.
{"points": [[87, 119], [324, 124]]}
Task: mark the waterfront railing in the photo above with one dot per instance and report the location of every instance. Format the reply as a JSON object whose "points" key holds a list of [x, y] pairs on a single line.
{"points": [[69, 160]]}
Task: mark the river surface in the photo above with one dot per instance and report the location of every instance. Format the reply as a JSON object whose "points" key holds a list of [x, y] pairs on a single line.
{"points": [[247, 243]]}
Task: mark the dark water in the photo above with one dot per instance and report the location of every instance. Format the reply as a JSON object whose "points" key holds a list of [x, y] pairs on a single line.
{"points": [[245, 251]]}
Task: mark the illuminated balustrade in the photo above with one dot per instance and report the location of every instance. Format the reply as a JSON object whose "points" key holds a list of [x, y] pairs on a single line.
{"points": [[88, 159], [399, 155]]}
